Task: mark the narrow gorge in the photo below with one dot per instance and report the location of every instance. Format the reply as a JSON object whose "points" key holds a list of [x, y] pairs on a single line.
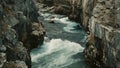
{"points": [[59, 34]]}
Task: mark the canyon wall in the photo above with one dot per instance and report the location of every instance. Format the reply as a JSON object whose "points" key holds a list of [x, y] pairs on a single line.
{"points": [[20, 31], [103, 47], [101, 18]]}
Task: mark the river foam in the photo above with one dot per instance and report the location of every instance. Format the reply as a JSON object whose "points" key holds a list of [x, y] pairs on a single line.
{"points": [[63, 20], [56, 53]]}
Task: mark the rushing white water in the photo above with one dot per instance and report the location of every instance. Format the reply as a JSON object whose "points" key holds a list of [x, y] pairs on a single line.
{"points": [[69, 24], [59, 53], [56, 53], [64, 20]]}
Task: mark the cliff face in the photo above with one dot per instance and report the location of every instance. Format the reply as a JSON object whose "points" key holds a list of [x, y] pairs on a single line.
{"points": [[102, 19], [103, 48], [20, 31]]}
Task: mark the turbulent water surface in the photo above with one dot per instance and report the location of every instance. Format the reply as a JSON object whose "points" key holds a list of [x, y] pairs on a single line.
{"points": [[63, 45]]}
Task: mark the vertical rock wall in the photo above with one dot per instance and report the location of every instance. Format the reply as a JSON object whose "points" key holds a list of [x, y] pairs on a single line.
{"points": [[20, 31], [103, 50]]}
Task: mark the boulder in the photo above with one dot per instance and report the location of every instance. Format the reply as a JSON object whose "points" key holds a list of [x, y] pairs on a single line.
{"points": [[51, 21], [63, 9]]}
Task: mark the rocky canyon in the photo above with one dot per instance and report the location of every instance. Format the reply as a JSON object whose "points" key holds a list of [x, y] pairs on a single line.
{"points": [[59, 34], [101, 19]]}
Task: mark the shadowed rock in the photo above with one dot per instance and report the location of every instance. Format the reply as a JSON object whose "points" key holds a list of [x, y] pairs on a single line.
{"points": [[18, 34], [15, 64]]}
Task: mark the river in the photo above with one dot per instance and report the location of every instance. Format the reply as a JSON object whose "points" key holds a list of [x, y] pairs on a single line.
{"points": [[63, 46]]}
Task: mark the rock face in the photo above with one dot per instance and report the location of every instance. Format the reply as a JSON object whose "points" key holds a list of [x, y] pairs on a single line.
{"points": [[103, 47], [20, 31]]}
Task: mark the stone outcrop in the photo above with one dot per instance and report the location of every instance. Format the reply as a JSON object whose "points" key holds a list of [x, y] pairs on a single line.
{"points": [[20, 31], [102, 49]]}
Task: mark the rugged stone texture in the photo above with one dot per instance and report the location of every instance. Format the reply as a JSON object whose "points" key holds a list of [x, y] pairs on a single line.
{"points": [[87, 9], [19, 26], [62, 9], [35, 37], [104, 39], [15, 64]]}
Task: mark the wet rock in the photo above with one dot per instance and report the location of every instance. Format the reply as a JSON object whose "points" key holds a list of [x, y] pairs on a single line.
{"points": [[77, 27], [36, 37], [15, 64], [74, 17], [51, 21], [63, 9]]}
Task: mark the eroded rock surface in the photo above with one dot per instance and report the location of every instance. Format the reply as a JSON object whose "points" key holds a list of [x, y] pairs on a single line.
{"points": [[104, 40], [18, 29]]}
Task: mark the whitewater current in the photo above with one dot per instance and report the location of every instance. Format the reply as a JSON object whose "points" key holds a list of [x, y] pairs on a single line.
{"points": [[63, 45]]}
